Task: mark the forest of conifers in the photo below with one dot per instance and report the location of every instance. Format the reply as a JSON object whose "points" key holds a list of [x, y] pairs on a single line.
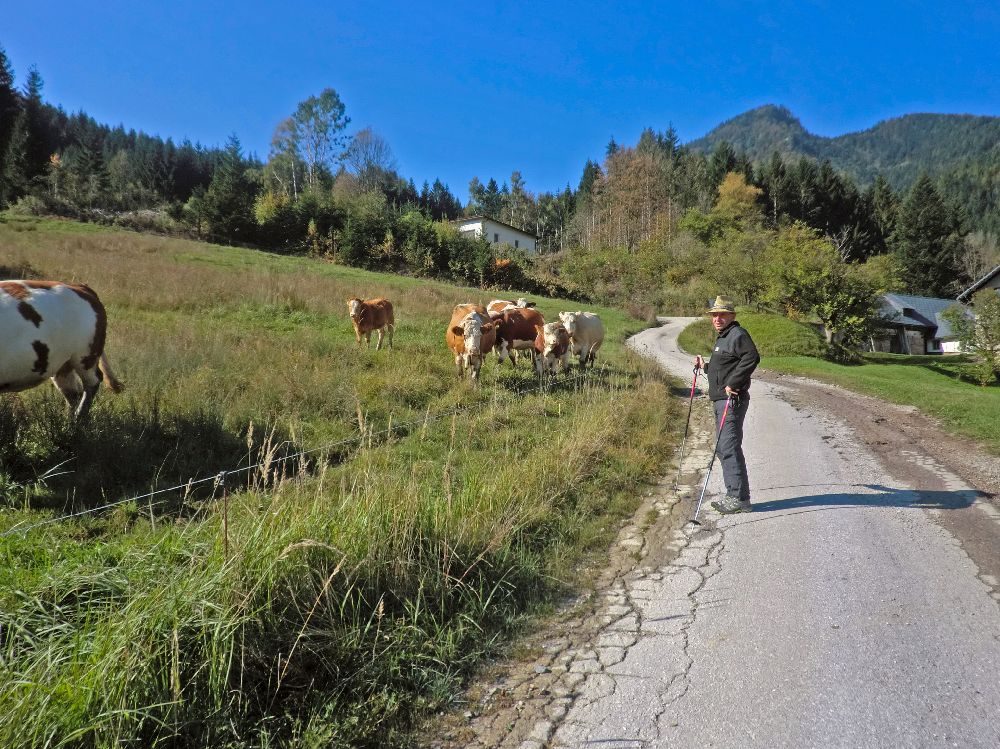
{"points": [[654, 224]]}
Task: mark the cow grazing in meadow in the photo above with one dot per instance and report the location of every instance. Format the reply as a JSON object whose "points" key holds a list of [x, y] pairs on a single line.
{"points": [[516, 332], [551, 347], [499, 305], [471, 335], [586, 333], [54, 330], [369, 315]]}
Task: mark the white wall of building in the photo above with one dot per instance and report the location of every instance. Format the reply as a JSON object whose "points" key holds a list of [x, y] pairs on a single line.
{"points": [[497, 233]]}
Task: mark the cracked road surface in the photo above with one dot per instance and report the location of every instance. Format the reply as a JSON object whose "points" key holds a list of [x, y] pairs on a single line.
{"points": [[856, 606]]}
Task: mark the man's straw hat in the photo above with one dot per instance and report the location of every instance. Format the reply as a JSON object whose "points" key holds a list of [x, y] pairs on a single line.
{"points": [[723, 304]]}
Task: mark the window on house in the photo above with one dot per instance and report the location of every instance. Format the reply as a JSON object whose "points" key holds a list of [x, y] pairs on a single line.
{"points": [[516, 241], [496, 237]]}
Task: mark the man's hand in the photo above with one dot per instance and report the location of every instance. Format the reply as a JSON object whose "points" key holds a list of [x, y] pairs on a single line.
{"points": [[699, 363], [730, 392]]}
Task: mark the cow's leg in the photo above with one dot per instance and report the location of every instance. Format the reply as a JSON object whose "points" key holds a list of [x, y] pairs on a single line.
{"points": [[458, 365], [91, 382], [368, 339], [391, 328], [69, 385], [381, 335]]}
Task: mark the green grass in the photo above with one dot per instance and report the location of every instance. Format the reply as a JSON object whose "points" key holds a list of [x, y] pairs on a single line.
{"points": [[326, 603], [935, 385], [774, 335]]}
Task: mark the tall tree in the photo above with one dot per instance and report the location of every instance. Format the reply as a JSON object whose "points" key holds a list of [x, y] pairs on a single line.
{"points": [[369, 157], [10, 106], [29, 148], [228, 205], [927, 242], [318, 125]]}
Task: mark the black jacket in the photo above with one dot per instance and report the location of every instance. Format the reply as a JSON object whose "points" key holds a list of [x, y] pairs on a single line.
{"points": [[734, 359]]}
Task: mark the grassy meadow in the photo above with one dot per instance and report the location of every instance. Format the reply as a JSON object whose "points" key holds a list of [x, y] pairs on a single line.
{"points": [[326, 601], [943, 387]]}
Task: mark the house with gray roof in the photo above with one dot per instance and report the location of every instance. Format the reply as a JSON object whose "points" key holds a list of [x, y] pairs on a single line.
{"points": [[990, 281], [915, 325]]}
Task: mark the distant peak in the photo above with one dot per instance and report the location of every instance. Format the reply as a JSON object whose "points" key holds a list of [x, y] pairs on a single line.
{"points": [[771, 112]]}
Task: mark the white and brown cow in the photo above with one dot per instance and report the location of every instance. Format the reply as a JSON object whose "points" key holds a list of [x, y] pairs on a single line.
{"points": [[516, 332], [551, 348], [499, 305], [586, 333], [470, 336], [369, 315], [54, 330]]}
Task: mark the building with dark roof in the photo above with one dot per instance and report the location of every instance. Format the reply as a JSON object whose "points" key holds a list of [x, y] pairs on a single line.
{"points": [[915, 325]]}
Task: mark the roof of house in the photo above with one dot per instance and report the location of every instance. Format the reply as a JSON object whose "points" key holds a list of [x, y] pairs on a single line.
{"points": [[967, 294], [917, 312], [466, 219]]}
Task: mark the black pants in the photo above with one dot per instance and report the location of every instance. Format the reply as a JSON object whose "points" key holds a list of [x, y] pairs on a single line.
{"points": [[734, 465]]}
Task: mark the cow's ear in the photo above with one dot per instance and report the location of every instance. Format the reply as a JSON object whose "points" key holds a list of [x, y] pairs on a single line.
{"points": [[457, 329]]}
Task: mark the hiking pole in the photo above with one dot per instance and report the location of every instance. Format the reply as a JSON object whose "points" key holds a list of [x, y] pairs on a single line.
{"points": [[687, 423], [722, 423]]}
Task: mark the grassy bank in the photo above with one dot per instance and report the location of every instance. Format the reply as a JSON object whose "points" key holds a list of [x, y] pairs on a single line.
{"points": [[774, 335], [940, 386], [324, 603]]}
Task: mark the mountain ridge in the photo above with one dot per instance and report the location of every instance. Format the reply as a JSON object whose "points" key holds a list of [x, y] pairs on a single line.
{"points": [[899, 148]]}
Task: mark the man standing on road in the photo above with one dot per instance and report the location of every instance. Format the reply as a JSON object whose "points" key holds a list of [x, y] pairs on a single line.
{"points": [[734, 358]]}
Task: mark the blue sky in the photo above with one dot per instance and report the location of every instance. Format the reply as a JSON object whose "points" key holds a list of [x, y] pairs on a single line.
{"points": [[480, 90]]}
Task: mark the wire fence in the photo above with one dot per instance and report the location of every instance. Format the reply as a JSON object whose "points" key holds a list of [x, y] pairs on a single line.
{"points": [[220, 478]]}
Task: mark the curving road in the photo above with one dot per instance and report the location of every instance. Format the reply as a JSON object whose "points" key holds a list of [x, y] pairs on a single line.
{"points": [[842, 612]]}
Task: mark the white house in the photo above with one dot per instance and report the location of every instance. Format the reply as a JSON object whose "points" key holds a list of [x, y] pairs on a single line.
{"points": [[497, 232]]}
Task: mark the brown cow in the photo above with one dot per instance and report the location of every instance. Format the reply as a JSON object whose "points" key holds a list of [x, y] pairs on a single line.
{"points": [[54, 330], [372, 314], [551, 347], [470, 335], [516, 332]]}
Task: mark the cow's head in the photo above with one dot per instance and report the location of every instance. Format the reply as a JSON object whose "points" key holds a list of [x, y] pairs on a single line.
{"points": [[524, 303], [554, 335], [354, 308], [569, 321], [471, 329]]}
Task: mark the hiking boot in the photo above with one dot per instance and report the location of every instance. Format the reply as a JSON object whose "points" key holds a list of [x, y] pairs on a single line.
{"points": [[732, 505]]}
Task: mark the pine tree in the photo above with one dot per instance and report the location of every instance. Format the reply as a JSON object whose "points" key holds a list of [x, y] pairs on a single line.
{"points": [[28, 150], [927, 241], [229, 201], [10, 107]]}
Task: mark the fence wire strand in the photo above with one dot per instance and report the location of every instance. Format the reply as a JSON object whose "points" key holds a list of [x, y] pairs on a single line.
{"points": [[220, 477]]}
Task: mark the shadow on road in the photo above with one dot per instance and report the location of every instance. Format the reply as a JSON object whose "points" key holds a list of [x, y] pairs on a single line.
{"points": [[883, 496]]}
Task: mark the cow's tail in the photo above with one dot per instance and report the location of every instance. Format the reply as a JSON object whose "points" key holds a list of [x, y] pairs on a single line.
{"points": [[113, 382]]}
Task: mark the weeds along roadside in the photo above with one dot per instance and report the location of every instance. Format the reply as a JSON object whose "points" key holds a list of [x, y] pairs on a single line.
{"points": [[350, 600]]}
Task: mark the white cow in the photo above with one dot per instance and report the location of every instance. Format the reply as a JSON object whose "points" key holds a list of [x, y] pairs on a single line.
{"points": [[54, 330], [586, 334]]}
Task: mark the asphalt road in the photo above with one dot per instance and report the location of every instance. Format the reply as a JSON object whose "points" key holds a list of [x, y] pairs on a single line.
{"points": [[841, 612]]}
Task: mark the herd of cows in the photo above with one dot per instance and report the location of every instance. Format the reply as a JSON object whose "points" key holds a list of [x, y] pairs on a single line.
{"points": [[54, 330], [510, 328]]}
